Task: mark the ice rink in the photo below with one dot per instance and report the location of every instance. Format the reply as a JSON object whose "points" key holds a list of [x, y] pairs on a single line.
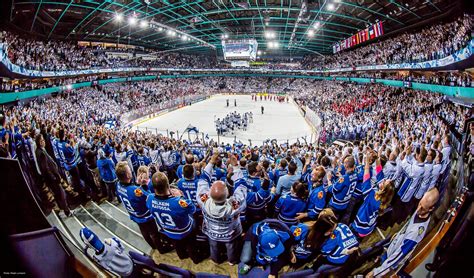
{"points": [[281, 121]]}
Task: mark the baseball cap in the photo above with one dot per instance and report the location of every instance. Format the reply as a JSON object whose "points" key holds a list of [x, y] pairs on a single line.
{"points": [[91, 239], [270, 243]]}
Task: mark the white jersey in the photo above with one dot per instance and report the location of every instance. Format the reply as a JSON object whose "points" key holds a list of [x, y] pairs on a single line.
{"points": [[114, 258], [392, 171], [427, 176], [413, 177], [435, 173], [402, 244]]}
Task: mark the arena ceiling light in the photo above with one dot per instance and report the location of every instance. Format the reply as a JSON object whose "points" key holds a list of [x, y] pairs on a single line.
{"points": [[269, 34], [132, 20], [174, 32], [317, 25], [224, 36], [119, 17], [143, 23], [273, 45], [310, 33], [330, 7]]}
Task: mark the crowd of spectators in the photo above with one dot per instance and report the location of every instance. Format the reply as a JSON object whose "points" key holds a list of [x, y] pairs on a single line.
{"points": [[430, 43], [439, 40], [61, 55], [300, 204]]}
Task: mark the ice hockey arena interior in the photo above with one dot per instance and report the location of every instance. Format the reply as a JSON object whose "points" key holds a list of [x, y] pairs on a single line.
{"points": [[237, 138]]}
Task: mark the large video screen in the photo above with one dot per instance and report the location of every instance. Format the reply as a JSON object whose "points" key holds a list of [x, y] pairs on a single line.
{"points": [[240, 49]]}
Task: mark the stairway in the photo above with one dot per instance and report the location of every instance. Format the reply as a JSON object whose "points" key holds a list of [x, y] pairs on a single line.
{"points": [[106, 220]]}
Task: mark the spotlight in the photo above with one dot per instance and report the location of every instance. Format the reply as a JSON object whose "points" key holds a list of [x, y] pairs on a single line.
{"points": [[330, 7], [273, 44], [160, 29], [310, 33], [316, 25], [171, 33], [119, 17], [269, 34], [259, 52], [132, 20], [143, 23]]}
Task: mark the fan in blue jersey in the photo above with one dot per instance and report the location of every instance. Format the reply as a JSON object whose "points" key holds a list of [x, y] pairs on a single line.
{"points": [[189, 160], [107, 172], [139, 159], [134, 198], [219, 172], [69, 156], [267, 243], [317, 196], [289, 206], [309, 239], [258, 192], [174, 216], [343, 189], [243, 167], [144, 180], [110, 253], [281, 170], [268, 170], [337, 249], [188, 184], [375, 202]]}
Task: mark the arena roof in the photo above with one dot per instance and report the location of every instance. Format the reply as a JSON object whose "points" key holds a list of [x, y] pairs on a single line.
{"points": [[198, 26]]}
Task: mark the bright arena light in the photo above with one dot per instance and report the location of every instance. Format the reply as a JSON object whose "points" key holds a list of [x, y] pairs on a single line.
{"points": [[143, 23], [259, 52], [310, 33], [171, 33], [330, 7], [269, 34], [273, 45], [316, 25], [119, 17], [132, 20]]}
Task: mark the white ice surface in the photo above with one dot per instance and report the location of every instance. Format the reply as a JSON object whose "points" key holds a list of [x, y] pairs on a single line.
{"points": [[281, 121]]}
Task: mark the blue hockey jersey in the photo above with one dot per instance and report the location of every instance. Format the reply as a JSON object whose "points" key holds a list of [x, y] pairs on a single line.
{"points": [[338, 243], [173, 215], [134, 198], [316, 201], [342, 191], [366, 217], [189, 189], [67, 154], [279, 173], [300, 232], [287, 207]]}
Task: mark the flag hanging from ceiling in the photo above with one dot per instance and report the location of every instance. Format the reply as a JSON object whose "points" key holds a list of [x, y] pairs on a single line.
{"points": [[372, 32]]}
